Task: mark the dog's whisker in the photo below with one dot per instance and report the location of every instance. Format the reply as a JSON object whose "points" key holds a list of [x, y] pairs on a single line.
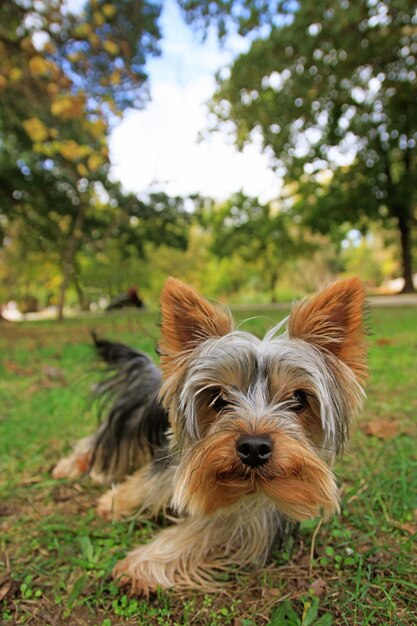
{"points": [[175, 453]]}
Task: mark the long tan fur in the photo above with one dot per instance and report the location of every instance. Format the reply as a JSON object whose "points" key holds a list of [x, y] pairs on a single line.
{"points": [[146, 493], [193, 551]]}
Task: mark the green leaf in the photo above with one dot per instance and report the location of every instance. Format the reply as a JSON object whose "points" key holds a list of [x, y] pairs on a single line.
{"points": [[325, 620], [87, 547], [311, 609], [285, 615], [77, 589]]}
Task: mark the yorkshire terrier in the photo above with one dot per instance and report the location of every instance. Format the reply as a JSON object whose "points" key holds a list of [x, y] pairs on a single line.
{"points": [[235, 436]]}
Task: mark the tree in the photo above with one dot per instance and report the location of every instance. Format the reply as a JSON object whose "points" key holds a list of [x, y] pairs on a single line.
{"points": [[227, 16], [260, 233], [63, 78], [151, 226], [67, 241], [331, 93]]}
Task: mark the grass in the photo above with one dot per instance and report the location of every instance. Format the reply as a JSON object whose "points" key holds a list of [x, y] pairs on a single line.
{"points": [[357, 569]]}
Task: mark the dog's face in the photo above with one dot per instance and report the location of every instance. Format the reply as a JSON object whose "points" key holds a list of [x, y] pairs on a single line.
{"points": [[264, 416]]}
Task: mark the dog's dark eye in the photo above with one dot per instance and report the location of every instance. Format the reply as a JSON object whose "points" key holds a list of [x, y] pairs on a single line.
{"points": [[298, 401], [217, 402]]}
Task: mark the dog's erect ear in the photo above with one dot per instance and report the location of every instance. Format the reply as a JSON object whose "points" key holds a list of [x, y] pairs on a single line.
{"points": [[334, 321], [188, 318]]}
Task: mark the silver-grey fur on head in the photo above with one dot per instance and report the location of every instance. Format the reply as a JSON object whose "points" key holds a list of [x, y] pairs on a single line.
{"points": [[242, 366]]}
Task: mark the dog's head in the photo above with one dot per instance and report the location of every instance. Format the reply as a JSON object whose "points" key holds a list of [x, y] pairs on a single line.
{"points": [[267, 415]]}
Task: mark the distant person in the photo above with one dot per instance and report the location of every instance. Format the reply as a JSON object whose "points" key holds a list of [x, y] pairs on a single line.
{"points": [[123, 300]]}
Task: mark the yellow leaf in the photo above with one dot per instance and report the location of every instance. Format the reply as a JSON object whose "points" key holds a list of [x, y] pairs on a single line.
{"points": [[61, 105], [85, 151], [68, 107], [109, 10], [74, 57], [35, 129], [98, 18], [83, 30], [50, 47], [111, 47], [47, 149], [38, 66], [115, 77], [82, 170], [70, 150], [94, 40], [26, 44], [97, 128], [94, 162], [15, 74], [52, 89]]}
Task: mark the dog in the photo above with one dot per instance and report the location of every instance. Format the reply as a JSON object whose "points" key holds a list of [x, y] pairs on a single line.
{"points": [[234, 435]]}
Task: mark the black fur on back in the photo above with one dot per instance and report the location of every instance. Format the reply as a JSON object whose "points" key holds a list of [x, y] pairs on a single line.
{"points": [[135, 429]]}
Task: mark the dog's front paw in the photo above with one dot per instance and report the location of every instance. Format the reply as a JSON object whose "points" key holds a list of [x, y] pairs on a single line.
{"points": [[69, 467], [106, 506], [134, 577], [98, 479]]}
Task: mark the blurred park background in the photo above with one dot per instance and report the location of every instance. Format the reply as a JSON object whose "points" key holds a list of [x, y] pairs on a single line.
{"points": [[255, 148]]}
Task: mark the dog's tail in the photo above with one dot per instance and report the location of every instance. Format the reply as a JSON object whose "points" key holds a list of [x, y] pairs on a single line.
{"points": [[135, 428]]}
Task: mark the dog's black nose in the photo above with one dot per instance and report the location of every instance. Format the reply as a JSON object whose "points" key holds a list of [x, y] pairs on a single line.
{"points": [[254, 450]]}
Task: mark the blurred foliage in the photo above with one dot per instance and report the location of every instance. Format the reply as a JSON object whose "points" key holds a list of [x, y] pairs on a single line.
{"points": [[260, 233], [320, 83], [64, 77], [111, 238], [243, 16], [369, 257], [332, 94]]}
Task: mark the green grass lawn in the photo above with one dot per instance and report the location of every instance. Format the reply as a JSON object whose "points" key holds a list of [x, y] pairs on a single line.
{"points": [[57, 555]]}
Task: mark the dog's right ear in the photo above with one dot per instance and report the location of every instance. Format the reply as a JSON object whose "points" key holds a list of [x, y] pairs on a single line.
{"points": [[188, 319]]}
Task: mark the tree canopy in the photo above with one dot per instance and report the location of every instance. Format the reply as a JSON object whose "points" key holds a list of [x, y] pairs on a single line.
{"points": [[260, 232], [64, 78], [328, 88], [330, 93]]}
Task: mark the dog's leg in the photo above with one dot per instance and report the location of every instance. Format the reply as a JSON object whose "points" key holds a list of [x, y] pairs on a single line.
{"points": [[147, 493], [78, 462], [190, 553]]}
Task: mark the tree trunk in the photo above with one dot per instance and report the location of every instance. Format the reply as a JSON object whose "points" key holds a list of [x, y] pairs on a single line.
{"points": [[68, 259], [406, 256], [66, 271], [82, 300], [273, 279]]}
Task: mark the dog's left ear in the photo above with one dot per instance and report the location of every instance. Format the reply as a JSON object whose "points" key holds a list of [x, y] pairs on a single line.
{"points": [[188, 319], [334, 321]]}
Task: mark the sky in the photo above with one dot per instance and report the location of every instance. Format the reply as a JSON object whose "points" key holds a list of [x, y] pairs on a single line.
{"points": [[159, 145]]}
